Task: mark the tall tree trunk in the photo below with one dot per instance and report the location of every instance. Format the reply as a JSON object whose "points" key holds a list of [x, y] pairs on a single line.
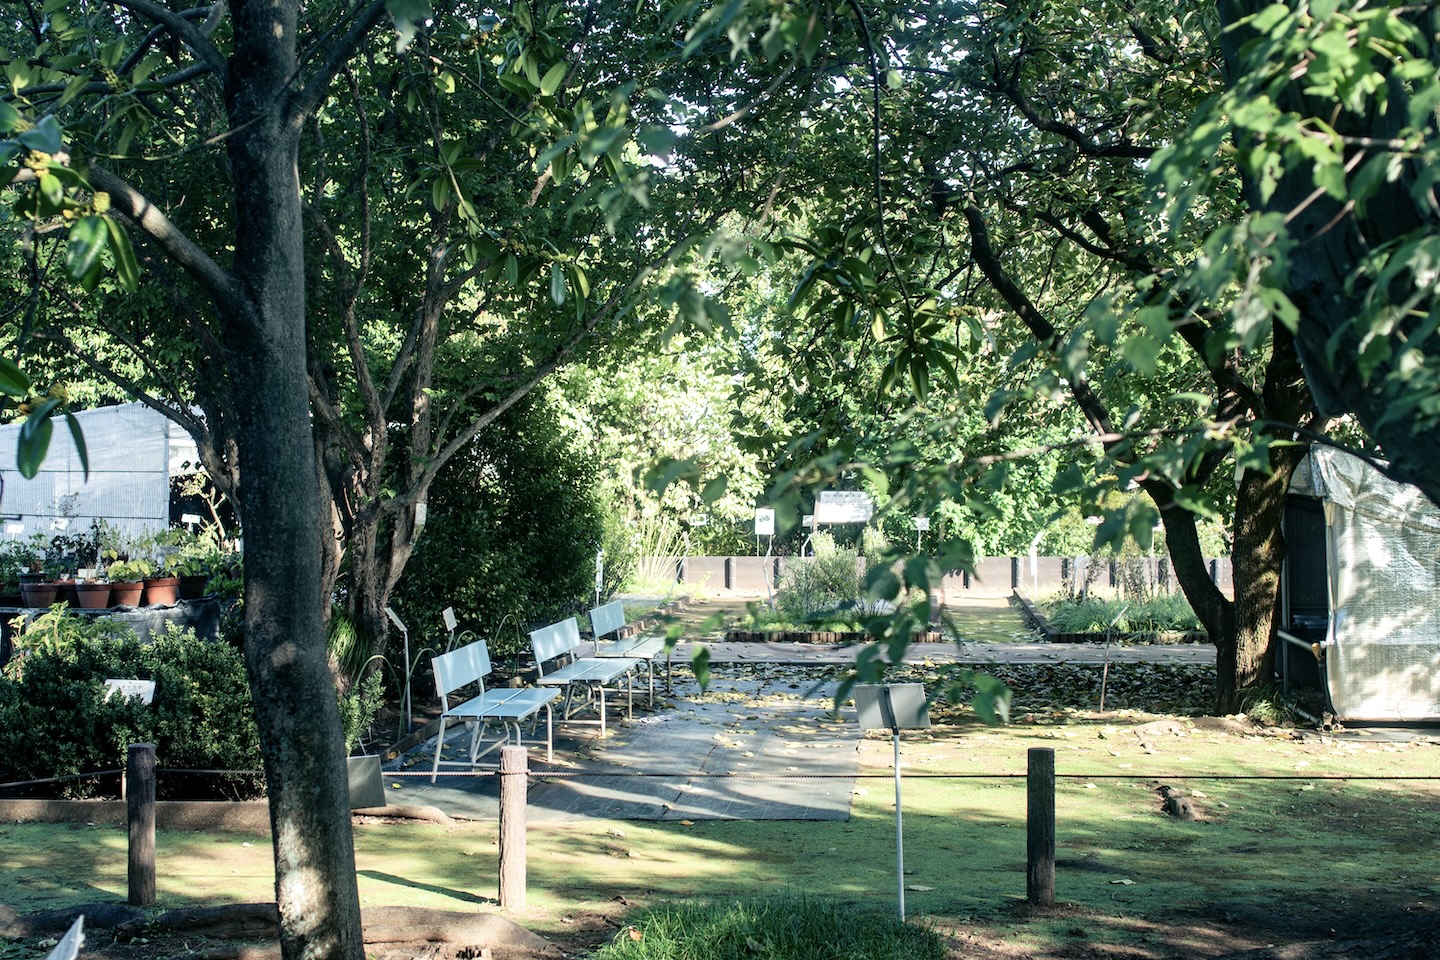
{"points": [[295, 706]]}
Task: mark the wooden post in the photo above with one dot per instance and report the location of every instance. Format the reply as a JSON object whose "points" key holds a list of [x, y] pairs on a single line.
{"points": [[140, 812], [1040, 827], [514, 775]]}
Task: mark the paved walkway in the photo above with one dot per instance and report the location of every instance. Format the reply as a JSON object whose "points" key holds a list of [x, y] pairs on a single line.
{"points": [[761, 743], [762, 746]]}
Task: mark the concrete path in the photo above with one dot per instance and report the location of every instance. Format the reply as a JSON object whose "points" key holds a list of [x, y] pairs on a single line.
{"points": [[761, 743], [763, 746]]}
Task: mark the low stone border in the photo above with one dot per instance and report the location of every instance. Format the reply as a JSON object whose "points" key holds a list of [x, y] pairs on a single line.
{"points": [[818, 636], [1052, 635]]}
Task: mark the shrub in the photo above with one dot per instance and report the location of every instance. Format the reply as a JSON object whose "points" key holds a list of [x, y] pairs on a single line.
{"points": [[827, 582], [514, 524], [1162, 613], [54, 721]]}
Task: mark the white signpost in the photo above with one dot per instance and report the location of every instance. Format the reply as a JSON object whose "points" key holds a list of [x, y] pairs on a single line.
{"points": [[405, 635], [893, 707], [921, 525], [764, 526], [765, 521]]}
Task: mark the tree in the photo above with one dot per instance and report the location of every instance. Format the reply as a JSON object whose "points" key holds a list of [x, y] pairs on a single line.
{"points": [[291, 364], [1006, 216], [441, 293]]}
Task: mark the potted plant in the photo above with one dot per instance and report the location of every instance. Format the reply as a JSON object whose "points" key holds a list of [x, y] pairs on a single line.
{"points": [[127, 581], [92, 594], [14, 556], [39, 593]]}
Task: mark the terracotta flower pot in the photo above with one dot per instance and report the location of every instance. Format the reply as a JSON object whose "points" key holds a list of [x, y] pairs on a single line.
{"points": [[193, 587], [161, 591], [39, 594], [126, 592], [67, 593], [93, 596]]}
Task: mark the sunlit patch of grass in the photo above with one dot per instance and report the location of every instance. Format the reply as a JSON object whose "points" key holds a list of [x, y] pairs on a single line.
{"points": [[784, 927]]}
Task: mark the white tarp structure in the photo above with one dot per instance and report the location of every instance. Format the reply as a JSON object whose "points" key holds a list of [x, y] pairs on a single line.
{"points": [[133, 453], [1383, 561]]}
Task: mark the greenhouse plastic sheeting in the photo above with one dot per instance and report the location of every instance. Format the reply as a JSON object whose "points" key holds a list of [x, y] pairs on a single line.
{"points": [[1383, 557], [133, 453]]}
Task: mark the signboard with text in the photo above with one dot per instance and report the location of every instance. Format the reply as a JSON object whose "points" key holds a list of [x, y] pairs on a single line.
{"points": [[843, 506], [764, 522]]}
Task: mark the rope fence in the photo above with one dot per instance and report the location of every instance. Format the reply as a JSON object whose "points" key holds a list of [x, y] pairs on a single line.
{"points": [[699, 775], [515, 777]]}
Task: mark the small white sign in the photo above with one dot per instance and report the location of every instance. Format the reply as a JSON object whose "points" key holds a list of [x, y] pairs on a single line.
{"points": [[142, 690], [14, 529], [891, 706], [189, 518], [922, 523], [765, 521], [395, 619], [448, 615]]}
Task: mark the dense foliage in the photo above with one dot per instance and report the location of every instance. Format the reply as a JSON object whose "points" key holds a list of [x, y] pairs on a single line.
{"points": [[513, 530], [54, 720]]}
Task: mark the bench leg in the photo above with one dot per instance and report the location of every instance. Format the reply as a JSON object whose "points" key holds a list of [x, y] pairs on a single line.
{"points": [[439, 744]]}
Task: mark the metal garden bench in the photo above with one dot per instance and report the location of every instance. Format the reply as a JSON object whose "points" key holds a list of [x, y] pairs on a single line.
{"points": [[510, 706], [593, 675], [610, 619]]}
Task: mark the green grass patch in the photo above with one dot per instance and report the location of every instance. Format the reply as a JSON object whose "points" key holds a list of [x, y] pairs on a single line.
{"points": [[786, 927]]}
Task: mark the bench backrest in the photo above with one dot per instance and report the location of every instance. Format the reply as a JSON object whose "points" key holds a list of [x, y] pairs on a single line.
{"points": [[607, 619], [453, 670], [556, 640]]}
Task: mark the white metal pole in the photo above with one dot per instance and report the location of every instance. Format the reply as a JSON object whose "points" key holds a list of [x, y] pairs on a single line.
{"points": [[899, 831]]}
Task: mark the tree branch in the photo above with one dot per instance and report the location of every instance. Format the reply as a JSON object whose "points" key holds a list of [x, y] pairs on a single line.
{"points": [[155, 224], [183, 30]]}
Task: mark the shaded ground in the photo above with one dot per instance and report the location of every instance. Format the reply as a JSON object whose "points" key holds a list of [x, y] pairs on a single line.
{"points": [[1299, 837]]}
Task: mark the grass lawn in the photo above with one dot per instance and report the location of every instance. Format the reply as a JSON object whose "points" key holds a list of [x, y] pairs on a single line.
{"points": [[1268, 860]]}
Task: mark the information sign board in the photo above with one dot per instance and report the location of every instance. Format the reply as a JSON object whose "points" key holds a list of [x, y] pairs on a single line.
{"points": [[844, 506], [765, 522]]}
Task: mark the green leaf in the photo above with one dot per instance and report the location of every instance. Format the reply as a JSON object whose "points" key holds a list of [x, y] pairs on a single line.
{"points": [[34, 439], [700, 663], [9, 117], [992, 699], [656, 140], [45, 137], [121, 251], [714, 489], [77, 435], [82, 251], [12, 379], [557, 283], [52, 190], [553, 78], [1143, 352]]}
